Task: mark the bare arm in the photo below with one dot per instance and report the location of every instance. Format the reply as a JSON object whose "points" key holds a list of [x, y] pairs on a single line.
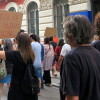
{"points": [[2, 55], [60, 61], [72, 98]]}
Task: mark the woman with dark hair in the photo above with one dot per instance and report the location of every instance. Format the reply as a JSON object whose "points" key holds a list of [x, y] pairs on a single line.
{"points": [[96, 43], [48, 60], [80, 71], [7, 47], [19, 58], [58, 50]]}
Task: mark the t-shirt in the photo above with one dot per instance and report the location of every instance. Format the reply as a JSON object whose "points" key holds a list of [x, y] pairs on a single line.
{"points": [[36, 47], [80, 74], [96, 44], [18, 66], [65, 49], [58, 50]]}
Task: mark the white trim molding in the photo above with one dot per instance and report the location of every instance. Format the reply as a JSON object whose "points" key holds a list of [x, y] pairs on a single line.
{"points": [[12, 4], [27, 2]]}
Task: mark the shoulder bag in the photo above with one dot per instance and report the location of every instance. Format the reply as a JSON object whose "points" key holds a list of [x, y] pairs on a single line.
{"points": [[3, 71]]}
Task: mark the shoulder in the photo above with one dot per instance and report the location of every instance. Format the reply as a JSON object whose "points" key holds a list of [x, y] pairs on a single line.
{"points": [[73, 53], [51, 46], [95, 42], [67, 46], [12, 52]]}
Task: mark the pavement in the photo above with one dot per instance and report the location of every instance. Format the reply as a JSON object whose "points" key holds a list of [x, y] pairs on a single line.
{"points": [[56, 80], [46, 94]]}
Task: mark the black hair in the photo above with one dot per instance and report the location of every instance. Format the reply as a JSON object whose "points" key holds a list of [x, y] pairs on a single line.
{"points": [[46, 40], [61, 42], [22, 30], [79, 28], [51, 38], [34, 37]]}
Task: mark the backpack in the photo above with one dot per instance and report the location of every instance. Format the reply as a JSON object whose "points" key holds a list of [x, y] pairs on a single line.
{"points": [[29, 82]]}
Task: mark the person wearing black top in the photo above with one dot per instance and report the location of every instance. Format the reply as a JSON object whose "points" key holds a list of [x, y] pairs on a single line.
{"points": [[52, 42], [80, 70], [54, 60], [19, 59]]}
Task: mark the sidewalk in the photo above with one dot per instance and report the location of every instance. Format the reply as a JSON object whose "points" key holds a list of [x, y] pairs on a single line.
{"points": [[56, 80]]}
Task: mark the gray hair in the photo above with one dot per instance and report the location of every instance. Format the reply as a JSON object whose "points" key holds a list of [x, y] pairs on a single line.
{"points": [[8, 46], [79, 28]]}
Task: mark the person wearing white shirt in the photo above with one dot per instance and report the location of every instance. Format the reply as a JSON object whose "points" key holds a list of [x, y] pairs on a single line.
{"points": [[65, 49]]}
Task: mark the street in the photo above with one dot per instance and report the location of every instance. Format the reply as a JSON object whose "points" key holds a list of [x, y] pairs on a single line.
{"points": [[48, 93]]}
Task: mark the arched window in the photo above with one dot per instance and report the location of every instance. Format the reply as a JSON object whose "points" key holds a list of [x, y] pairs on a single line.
{"points": [[33, 18], [61, 10], [12, 9]]}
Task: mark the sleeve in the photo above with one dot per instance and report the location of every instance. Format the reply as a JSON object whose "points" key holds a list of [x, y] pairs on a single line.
{"points": [[63, 51], [70, 77], [10, 56]]}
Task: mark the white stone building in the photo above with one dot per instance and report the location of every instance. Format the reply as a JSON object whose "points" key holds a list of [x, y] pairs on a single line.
{"points": [[39, 14]]}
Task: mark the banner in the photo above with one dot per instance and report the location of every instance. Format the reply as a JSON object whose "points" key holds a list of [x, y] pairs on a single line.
{"points": [[10, 24], [50, 32]]}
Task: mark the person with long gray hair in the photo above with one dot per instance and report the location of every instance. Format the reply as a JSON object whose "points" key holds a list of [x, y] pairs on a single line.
{"points": [[7, 46], [80, 70]]}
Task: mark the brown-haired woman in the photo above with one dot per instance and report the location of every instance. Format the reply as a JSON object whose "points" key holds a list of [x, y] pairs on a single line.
{"points": [[19, 59], [96, 42]]}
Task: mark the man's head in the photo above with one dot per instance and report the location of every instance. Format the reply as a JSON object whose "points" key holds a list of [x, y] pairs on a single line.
{"points": [[34, 37], [78, 30]]}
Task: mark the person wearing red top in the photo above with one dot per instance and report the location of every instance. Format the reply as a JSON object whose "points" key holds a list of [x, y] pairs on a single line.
{"points": [[58, 50]]}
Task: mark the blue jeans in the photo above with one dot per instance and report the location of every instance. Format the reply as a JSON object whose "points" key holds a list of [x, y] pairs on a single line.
{"points": [[38, 71]]}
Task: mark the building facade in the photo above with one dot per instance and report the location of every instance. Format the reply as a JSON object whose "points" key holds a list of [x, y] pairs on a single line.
{"points": [[39, 14]]}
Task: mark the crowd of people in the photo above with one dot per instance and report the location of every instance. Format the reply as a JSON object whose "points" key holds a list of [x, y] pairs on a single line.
{"points": [[16, 53], [77, 60]]}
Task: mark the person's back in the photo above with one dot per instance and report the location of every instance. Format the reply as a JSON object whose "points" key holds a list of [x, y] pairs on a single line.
{"points": [[19, 59], [8, 46], [65, 49], [36, 47], [84, 75], [53, 44]]}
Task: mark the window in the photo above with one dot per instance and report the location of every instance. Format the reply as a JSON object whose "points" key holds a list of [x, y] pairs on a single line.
{"points": [[33, 18], [61, 10], [12, 9]]}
